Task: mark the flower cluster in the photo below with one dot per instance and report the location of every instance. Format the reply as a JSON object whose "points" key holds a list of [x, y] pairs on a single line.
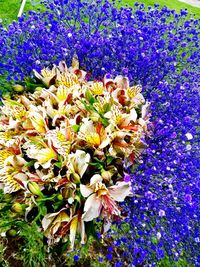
{"points": [[72, 140], [154, 47], [144, 45]]}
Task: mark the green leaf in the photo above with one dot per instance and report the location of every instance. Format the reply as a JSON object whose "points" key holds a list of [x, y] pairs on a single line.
{"points": [[14, 103], [30, 163], [58, 164], [43, 210], [91, 99], [90, 230], [97, 165], [109, 160], [104, 121], [76, 128], [88, 107], [106, 107]]}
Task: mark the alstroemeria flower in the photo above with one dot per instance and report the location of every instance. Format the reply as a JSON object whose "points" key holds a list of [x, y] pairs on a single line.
{"points": [[52, 223], [4, 154], [47, 76], [78, 162], [126, 95], [44, 157], [94, 135], [61, 112], [100, 197], [8, 138], [77, 225], [119, 120], [56, 225], [38, 122], [61, 140], [37, 149], [68, 133], [16, 113], [96, 88], [12, 175]]}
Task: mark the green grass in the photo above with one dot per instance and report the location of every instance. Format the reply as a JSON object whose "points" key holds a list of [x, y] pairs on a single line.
{"points": [[172, 4], [10, 8]]}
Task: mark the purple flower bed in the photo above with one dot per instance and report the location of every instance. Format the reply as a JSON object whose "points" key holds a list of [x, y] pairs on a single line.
{"points": [[160, 50]]}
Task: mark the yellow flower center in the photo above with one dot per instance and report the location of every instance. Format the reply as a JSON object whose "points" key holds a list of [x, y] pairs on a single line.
{"points": [[60, 137], [4, 154], [19, 113], [12, 183], [93, 139], [100, 189], [38, 123], [118, 119], [133, 91], [47, 73], [46, 154], [6, 136], [62, 92], [68, 80], [97, 88]]}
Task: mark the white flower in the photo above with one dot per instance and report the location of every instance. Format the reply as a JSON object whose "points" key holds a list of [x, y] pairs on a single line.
{"points": [[78, 162], [99, 197], [189, 136]]}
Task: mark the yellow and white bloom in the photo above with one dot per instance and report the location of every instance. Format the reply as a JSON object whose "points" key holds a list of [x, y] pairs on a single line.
{"points": [[52, 223], [38, 122], [99, 197], [47, 76], [78, 162], [59, 141], [12, 175], [37, 149], [69, 131], [94, 135]]}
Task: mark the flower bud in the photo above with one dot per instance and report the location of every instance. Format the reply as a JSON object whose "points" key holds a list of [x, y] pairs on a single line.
{"points": [[78, 199], [106, 175], [8, 198], [17, 207], [67, 192], [11, 232], [18, 88], [6, 95], [34, 188], [60, 197], [39, 89], [94, 116], [75, 178]]}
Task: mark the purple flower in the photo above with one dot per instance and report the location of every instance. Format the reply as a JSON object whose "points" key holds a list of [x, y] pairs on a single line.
{"points": [[160, 50]]}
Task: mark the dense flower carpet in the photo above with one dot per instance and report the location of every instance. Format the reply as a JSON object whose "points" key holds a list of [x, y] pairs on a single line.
{"points": [[99, 136]]}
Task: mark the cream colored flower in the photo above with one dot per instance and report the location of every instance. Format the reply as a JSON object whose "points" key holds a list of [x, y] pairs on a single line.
{"points": [[38, 122], [94, 135], [52, 222], [100, 197], [12, 175], [78, 162], [47, 76]]}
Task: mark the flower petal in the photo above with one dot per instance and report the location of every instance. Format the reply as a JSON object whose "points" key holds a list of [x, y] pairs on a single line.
{"points": [[92, 208], [120, 191], [78, 162], [95, 178], [73, 229], [85, 190]]}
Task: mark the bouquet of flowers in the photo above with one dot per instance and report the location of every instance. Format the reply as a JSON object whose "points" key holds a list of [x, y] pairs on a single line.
{"points": [[66, 150]]}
